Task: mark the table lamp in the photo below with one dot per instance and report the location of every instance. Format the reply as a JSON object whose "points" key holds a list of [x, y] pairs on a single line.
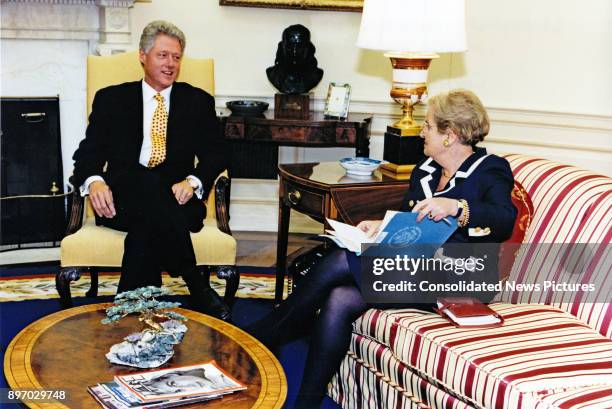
{"points": [[411, 33]]}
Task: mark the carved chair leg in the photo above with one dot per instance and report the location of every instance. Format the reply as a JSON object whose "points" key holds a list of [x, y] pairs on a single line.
{"points": [[62, 284], [93, 288], [232, 279]]}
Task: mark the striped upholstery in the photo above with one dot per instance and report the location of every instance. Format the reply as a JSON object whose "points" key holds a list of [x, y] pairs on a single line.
{"points": [[539, 350], [359, 384], [571, 205], [548, 354]]}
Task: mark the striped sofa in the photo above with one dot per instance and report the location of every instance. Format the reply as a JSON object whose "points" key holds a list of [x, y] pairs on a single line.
{"points": [[554, 350]]}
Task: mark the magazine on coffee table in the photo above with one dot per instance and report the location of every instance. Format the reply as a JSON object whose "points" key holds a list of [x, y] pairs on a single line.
{"points": [[166, 388], [102, 393]]}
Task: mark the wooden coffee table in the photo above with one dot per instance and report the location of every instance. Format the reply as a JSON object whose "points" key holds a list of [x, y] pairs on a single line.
{"points": [[66, 351]]}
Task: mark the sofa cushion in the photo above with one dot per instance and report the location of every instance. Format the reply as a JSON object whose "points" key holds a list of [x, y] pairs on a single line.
{"points": [[539, 349], [370, 376], [571, 207]]}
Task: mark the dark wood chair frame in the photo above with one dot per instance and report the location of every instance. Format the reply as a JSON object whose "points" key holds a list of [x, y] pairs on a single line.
{"points": [[229, 273]]}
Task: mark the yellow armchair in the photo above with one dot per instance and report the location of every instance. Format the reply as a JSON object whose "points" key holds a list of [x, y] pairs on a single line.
{"points": [[88, 247]]}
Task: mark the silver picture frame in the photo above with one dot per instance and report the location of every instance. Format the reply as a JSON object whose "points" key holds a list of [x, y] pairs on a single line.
{"points": [[337, 100]]}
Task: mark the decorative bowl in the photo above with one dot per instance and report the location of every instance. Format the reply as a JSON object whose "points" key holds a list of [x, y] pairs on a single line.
{"points": [[247, 107], [360, 166]]}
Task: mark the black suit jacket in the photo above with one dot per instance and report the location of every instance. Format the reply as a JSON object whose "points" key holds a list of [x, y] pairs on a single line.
{"points": [[114, 136]]}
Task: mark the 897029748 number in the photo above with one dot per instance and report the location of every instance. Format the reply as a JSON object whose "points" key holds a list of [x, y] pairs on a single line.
{"points": [[32, 395]]}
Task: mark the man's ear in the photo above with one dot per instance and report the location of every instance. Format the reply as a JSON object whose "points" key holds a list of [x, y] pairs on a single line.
{"points": [[141, 56]]}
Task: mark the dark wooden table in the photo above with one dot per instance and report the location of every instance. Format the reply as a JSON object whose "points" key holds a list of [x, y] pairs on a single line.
{"points": [[323, 190], [255, 141], [66, 351]]}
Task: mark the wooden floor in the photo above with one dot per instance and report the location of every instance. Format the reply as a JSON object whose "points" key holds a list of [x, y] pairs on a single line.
{"points": [[259, 248]]}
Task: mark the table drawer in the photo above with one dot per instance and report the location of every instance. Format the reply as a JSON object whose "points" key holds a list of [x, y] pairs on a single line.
{"points": [[304, 200]]}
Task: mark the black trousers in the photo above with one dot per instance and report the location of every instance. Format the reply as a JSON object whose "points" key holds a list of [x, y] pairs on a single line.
{"points": [[157, 228]]}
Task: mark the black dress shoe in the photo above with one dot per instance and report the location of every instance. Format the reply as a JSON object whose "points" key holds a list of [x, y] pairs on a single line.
{"points": [[208, 302]]}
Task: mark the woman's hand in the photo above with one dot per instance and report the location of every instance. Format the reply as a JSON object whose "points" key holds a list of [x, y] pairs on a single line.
{"points": [[370, 227], [436, 208]]}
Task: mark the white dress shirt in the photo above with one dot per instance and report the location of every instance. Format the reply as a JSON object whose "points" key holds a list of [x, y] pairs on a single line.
{"points": [[149, 105]]}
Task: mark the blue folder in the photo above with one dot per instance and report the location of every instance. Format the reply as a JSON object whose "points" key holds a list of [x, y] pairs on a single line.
{"points": [[404, 236]]}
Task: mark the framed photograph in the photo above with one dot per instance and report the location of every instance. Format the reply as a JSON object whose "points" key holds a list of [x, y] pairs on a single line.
{"points": [[337, 100], [336, 5]]}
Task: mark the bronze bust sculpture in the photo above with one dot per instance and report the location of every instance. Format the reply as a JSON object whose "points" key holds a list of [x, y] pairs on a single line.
{"points": [[295, 69]]}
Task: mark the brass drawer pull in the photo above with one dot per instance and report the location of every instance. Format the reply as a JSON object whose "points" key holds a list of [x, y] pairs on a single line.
{"points": [[294, 197], [34, 117]]}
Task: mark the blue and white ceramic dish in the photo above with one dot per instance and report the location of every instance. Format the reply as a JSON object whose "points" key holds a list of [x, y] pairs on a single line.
{"points": [[360, 166]]}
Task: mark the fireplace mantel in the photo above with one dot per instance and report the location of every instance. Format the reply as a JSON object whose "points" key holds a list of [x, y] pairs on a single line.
{"points": [[105, 24]]}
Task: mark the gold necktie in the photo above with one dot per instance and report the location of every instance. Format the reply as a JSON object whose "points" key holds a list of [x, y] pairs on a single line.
{"points": [[158, 133]]}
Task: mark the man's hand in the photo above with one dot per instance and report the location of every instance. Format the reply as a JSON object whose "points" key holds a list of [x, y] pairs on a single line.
{"points": [[435, 208], [182, 192], [102, 199], [370, 227]]}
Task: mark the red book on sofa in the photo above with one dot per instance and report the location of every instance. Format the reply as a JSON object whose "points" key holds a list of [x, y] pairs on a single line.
{"points": [[468, 312]]}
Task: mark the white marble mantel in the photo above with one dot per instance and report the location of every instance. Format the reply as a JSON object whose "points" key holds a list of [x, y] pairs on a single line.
{"points": [[104, 24]]}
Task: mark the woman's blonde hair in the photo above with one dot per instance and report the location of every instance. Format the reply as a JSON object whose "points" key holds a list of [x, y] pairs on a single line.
{"points": [[462, 112]]}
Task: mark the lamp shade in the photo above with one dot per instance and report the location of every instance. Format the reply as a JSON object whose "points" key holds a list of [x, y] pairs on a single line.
{"points": [[413, 26]]}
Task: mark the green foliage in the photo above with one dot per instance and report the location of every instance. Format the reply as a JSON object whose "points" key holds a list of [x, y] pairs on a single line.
{"points": [[142, 301]]}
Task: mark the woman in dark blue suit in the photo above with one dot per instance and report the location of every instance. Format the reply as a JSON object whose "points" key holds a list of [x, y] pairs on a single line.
{"points": [[456, 179]]}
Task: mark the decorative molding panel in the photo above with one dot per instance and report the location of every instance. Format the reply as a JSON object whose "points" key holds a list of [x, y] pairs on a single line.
{"points": [[105, 24]]}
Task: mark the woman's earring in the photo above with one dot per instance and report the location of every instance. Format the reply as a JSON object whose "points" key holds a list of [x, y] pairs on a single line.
{"points": [[445, 142]]}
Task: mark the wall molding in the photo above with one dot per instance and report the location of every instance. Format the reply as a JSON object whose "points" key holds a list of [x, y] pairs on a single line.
{"points": [[554, 145]]}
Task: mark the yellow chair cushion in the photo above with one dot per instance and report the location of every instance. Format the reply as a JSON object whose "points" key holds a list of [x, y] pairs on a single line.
{"points": [[101, 246]]}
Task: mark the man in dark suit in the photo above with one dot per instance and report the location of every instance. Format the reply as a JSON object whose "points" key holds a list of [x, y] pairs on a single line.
{"points": [[137, 165]]}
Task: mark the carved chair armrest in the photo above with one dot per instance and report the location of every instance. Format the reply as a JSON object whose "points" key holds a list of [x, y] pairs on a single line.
{"points": [[222, 203], [76, 204]]}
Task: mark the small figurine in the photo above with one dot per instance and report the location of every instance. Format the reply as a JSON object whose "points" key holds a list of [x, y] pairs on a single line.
{"points": [[295, 69], [153, 346]]}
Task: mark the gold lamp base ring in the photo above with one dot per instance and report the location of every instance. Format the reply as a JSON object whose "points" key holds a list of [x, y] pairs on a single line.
{"points": [[409, 87]]}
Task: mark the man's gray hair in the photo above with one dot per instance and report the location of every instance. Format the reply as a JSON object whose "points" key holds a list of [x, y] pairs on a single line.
{"points": [[154, 28]]}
